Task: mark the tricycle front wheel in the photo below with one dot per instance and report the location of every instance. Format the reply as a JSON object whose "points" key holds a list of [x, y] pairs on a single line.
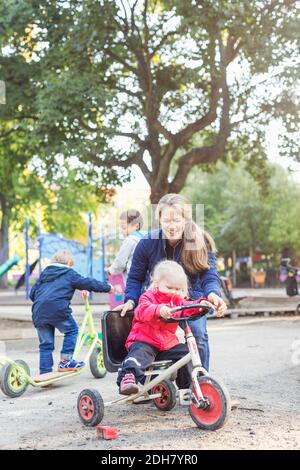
{"points": [[216, 413]]}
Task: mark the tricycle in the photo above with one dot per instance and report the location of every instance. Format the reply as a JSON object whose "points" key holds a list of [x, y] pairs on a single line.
{"points": [[208, 400]]}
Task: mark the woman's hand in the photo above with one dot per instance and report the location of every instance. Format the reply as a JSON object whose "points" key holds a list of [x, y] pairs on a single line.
{"points": [[129, 305], [165, 312], [218, 303]]}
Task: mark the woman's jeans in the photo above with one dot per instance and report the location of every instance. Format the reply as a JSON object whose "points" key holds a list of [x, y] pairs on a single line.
{"points": [[46, 336], [198, 328]]}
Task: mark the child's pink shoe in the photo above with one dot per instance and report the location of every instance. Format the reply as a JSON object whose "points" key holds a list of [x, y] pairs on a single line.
{"points": [[128, 385]]}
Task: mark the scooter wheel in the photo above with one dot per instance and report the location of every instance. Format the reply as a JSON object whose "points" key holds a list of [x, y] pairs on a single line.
{"points": [[13, 381], [24, 365], [215, 415], [90, 407], [167, 400], [96, 363]]}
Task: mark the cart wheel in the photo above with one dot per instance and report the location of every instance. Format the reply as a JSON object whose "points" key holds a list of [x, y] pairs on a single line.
{"points": [[216, 414], [167, 401], [298, 309], [90, 407], [13, 381], [96, 363]]}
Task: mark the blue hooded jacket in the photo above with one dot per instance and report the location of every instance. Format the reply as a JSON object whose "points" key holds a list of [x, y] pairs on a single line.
{"points": [[150, 251], [53, 292]]}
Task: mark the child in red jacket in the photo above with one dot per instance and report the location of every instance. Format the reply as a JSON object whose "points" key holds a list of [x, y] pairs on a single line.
{"points": [[150, 338]]}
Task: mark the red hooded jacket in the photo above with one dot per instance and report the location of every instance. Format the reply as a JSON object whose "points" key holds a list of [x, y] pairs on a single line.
{"points": [[147, 325]]}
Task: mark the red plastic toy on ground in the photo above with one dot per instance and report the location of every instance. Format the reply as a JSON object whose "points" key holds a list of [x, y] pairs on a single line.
{"points": [[106, 432]]}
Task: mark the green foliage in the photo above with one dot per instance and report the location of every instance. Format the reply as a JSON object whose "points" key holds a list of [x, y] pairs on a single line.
{"points": [[94, 87], [240, 215], [34, 179], [115, 82]]}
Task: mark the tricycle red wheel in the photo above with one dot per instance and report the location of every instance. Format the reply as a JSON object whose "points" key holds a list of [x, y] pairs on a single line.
{"points": [[90, 407], [167, 400], [216, 413]]}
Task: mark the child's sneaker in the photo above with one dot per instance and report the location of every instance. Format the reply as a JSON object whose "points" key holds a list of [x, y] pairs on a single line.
{"points": [[128, 385], [70, 365]]}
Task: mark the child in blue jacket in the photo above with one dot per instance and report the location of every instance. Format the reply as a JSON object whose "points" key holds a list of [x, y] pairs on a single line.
{"points": [[51, 296]]}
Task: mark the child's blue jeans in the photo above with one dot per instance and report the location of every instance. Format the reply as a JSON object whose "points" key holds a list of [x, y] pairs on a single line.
{"points": [[46, 336]]}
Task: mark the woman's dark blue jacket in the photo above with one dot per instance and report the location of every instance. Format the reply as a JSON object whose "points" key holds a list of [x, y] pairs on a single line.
{"points": [[152, 249]]}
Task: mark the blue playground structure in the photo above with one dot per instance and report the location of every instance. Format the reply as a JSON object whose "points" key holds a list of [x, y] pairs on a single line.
{"points": [[89, 259], [4, 268]]}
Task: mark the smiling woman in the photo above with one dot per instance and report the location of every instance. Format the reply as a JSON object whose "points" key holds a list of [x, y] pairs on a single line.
{"points": [[174, 213]]}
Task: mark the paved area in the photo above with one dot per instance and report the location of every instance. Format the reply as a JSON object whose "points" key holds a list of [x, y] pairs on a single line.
{"points": [[257, 358]]}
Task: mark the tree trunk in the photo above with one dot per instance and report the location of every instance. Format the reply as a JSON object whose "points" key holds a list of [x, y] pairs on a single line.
{"points": [[234, 268], [4, 242], [158, 190], [251, 252]]}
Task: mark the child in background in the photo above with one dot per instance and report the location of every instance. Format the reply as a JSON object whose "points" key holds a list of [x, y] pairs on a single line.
{"points": [[150, 338], [131, 223], [51, 296]]}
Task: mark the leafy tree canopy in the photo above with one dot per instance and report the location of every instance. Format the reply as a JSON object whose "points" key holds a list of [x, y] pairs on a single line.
{"points": [[134, 81]]}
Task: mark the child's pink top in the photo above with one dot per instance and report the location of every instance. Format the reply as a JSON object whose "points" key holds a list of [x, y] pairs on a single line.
{"points": [[147, 324]]}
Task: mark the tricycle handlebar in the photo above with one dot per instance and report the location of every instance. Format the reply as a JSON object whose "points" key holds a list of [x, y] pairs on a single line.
{"points": [[205, 306]]}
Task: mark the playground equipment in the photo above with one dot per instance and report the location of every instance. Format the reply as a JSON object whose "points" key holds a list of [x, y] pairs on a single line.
{"points": [[89, 259], [4, 268], [208, 400], [21, 280], [15, 375]]}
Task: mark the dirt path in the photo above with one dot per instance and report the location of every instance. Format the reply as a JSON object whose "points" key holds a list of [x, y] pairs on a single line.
{"points": [[258, 359]]}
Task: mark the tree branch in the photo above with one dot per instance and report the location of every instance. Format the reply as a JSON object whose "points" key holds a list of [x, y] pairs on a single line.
{"points": [[110, 162], [183, 136], [11, 131], [86, 126], [122, 61], [136, 158], [161, 43], [133, 136], [162, 130], [205, 155], [134, 94], [145, 170]]}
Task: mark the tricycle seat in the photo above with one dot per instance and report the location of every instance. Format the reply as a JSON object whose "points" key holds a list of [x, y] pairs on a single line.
{"points": [[115, 330]]}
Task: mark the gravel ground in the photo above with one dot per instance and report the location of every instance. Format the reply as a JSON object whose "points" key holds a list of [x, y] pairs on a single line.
{"points": [[258, 359]]}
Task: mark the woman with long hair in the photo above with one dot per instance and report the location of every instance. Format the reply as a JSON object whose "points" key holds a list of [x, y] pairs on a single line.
{"points": [[178, 238]]}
